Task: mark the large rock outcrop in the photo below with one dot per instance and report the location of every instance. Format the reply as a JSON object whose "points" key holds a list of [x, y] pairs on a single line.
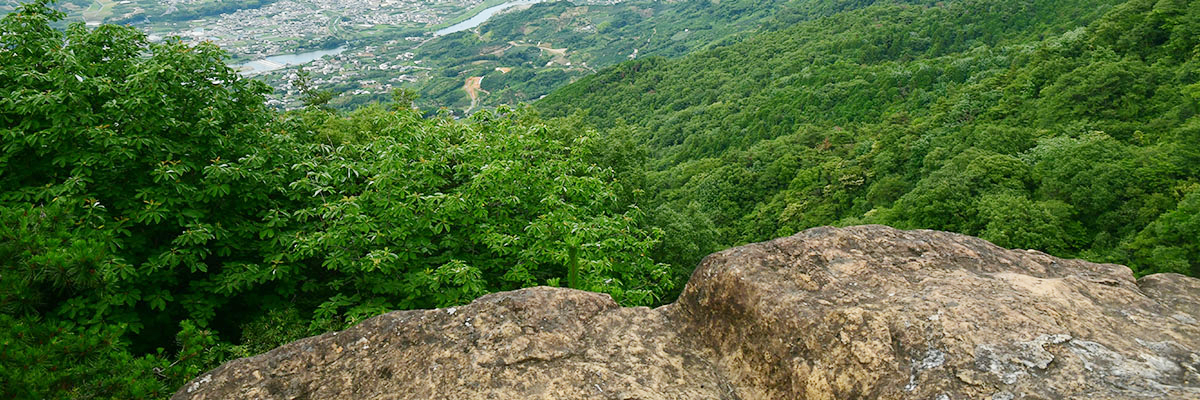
{"points": [[863, 312]]}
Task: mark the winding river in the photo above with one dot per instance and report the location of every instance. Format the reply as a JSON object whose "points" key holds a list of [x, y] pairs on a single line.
{"points": [[483, 16]]}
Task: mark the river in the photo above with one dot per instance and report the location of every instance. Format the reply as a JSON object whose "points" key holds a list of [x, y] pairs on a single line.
{"points": [[282, 60], [483, 16]]}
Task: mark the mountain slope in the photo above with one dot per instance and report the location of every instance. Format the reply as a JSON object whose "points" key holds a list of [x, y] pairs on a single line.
{"points": [[1063, 126]]}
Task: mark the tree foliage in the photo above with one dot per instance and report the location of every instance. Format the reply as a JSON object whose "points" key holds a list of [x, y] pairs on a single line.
{"points": [[157, 219]]}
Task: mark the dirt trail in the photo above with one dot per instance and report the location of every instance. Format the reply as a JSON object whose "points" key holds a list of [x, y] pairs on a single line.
{"points": [[544, 46], [558, 52], [473, 86]]}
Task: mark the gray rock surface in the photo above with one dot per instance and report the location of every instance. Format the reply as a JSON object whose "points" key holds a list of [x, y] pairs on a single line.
{"points": [[861, 312]]}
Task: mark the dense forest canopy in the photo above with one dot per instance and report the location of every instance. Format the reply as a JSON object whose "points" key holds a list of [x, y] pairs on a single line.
{"points": [[157, 219], [1068, 127]]}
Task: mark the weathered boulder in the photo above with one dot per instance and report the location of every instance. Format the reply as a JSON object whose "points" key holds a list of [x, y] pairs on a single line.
{"points": [[860, 312]]}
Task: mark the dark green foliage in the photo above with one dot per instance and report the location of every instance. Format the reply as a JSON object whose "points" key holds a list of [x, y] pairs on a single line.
{"points": [[946, 197], [1169, 243], [573, 267], [195, 10]]}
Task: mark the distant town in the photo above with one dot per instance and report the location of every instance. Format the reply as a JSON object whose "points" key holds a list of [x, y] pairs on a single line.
{"points": [[288, 25], [365, 48]]}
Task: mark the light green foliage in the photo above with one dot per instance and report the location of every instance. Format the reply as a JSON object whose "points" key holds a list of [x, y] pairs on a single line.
{"points": [[428, 212], [157, 219], [1011, 220]]}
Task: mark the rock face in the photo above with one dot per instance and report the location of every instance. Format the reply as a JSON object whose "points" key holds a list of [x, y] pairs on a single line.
{"points": [[863, 312]]}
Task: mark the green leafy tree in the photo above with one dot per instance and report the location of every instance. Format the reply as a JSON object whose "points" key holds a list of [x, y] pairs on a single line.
{"points": [[1012, 220], [430, 213], [310, 95], [947, 198], [149, 198]]}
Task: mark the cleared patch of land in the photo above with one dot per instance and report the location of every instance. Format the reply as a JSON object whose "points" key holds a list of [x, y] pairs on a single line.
{"points": [[473, 86], [98, 11]]}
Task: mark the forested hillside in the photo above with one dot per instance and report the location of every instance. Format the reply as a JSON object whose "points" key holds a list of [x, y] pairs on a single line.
{"points": [[1068, 127]]}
